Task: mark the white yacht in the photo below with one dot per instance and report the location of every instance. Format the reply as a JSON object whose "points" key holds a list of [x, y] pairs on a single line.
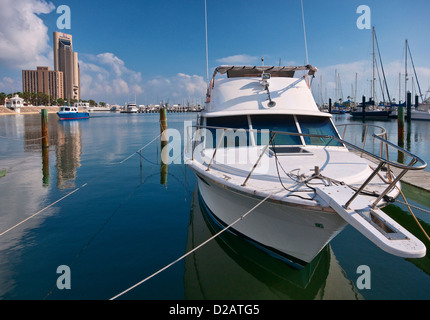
{"points": [[274, 169], [130, 108], [422, 112]]}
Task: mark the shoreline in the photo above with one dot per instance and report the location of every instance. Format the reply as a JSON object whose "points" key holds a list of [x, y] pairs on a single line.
{"points": [[26, 110]]}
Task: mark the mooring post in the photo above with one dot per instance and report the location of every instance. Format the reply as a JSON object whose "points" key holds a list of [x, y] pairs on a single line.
{"points": [[164, 155], [401, 126], [416, 102], [163, 124], [363, 110], [45, 147], [329, 105], [409, 106], [45, 131]]}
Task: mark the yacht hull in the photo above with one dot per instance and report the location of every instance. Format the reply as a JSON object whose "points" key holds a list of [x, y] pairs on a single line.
{"points": [[292, 233], [73, 115]]}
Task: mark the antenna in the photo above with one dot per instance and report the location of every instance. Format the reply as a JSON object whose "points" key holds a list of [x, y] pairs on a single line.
{"points": [[304, 31], [207, 55]]}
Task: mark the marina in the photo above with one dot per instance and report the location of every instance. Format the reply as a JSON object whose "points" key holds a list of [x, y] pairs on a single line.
{"points": [[137, 216], [126, 174]]}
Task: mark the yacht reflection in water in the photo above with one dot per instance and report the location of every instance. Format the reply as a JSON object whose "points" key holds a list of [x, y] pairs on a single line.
{"points": [[229, 267]]}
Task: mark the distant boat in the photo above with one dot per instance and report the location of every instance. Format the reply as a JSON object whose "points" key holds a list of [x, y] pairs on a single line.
{"points": [[371, 110], [71, 113], [380, 112], [130, 108], [420, 115]]}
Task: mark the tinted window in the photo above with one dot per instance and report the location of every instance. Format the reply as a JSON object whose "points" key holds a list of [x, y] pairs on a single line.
{"points": [[280, 123], [318, 126], [232, 138]]}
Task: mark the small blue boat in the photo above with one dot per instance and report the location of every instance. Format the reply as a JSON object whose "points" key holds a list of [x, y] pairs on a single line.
{"points": [[71, 113]]}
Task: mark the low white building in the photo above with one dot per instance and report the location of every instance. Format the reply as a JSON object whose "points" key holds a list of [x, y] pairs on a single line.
{"points": [[15, 103]]}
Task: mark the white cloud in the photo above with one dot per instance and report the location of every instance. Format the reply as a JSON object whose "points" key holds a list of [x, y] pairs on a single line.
{"points": [[180, 88], [24, 44], [105, 77], [239, 59], [24, 40], [9, 85]]}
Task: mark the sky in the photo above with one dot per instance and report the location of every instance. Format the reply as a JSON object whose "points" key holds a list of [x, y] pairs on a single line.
{"points": [[155, 50]]}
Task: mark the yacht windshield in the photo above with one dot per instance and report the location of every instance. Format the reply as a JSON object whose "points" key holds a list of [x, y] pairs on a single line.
{"points": [[318, 126], [262, 125], [232, 138], [280, 123]]}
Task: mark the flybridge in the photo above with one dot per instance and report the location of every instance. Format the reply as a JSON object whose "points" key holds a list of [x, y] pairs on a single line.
{"points": [[257, 71]]}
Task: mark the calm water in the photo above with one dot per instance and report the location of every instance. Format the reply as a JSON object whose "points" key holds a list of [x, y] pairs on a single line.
{"points": [[117, 223]]}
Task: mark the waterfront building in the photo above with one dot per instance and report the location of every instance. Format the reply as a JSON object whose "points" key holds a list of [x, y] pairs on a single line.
{"points": [[66, 61], [43, 80]]}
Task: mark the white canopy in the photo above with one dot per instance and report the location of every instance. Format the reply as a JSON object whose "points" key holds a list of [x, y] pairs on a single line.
{"points": [[256, 71]]}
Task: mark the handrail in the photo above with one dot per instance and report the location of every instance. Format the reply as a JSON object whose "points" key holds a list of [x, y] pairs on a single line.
{"points": [[380, 159], [395, 164]]}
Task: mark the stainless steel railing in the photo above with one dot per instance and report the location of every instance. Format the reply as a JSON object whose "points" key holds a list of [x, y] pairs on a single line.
{"points": [[382, 137]]}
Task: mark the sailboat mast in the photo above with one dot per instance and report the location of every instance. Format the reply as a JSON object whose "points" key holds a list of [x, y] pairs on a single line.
{"points": [[406, 71], [355, 95], [373, 79], [206, 36]]}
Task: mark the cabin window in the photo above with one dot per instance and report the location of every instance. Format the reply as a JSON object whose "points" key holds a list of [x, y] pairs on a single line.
{"points": [[280, 123], [66, 109], [232, 138], [318, 126]]}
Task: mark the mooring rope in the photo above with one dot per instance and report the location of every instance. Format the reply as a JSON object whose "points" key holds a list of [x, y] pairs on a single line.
{"points": [[72, 192], [196, 248], [412, 206], [40, 211], [15, 139], [134, 153], [413, 215]]}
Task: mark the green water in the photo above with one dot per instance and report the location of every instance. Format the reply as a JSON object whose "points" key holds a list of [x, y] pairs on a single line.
{"points": [[117, 222]]}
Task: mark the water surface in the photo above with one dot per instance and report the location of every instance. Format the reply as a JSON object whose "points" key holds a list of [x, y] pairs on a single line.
{"points": [[116, 222]]}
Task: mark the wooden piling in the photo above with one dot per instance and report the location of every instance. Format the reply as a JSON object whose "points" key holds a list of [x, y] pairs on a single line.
{"points": [[45, 147], [408, 106], [45, 131], [329, 105], [164, 141], [363, 110], [400, 131]]}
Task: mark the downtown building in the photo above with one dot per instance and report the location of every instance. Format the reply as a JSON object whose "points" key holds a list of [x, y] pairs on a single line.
{"points": [[66, 61], [43, 80]]}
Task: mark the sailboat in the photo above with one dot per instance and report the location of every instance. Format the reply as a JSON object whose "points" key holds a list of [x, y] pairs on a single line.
{"points": [[422, 111], [370, 109]]}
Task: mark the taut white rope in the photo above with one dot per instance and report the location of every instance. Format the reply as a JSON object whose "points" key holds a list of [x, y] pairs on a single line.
{"points": [[70, 193], [133, 154], [196, 248], [40, 211]]}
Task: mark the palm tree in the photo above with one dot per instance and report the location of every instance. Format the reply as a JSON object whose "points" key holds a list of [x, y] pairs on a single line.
{"points": [[2, 98]]}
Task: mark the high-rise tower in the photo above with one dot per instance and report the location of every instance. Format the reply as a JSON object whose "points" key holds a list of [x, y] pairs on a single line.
{"points": [[66, 60]]}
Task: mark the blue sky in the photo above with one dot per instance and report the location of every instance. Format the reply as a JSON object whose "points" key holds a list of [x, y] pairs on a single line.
{"points": [[155, 50]]}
